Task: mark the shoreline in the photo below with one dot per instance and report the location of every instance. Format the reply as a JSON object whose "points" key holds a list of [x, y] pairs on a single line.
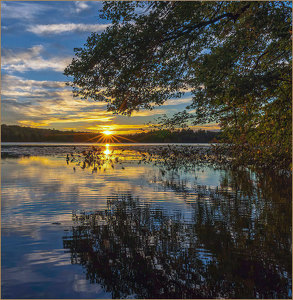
{"points": [[53, 144]]}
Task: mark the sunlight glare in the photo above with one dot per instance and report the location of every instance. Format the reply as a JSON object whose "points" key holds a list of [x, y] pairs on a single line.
{"points": [[107, 132], [107, 151]]}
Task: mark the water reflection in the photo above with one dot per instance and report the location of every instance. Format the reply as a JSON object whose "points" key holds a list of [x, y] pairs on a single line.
{"points": [[142, 229], [237, 244]]}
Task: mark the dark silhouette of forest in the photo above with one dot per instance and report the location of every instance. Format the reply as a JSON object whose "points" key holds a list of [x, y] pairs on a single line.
{"points": [[14, 133], [176, 136]]}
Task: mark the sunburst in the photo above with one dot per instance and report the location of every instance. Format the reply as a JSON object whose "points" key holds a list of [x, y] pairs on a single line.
{"points": [[108, 136]]}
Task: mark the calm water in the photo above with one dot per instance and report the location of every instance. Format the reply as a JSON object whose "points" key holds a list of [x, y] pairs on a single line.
{"points": [[135, 230]]}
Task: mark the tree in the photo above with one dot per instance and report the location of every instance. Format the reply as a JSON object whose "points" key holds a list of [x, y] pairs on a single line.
{"points": [[234, 57]]}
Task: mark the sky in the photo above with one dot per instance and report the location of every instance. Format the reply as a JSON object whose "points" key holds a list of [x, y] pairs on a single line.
{"points": [[37, 42]]}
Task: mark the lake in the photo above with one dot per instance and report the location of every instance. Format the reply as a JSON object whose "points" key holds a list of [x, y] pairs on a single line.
{"points": [[134, 228]]}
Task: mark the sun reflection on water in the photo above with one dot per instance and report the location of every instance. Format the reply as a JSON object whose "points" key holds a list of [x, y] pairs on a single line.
{"points": [[107, 151]]}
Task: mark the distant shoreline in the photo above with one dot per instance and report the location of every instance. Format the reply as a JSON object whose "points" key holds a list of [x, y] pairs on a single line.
{"points": [[18, 134], [69, 144]]}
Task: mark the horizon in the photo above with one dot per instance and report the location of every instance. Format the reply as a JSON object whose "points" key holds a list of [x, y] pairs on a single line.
{"points": [[131, 133], [38, 39]]}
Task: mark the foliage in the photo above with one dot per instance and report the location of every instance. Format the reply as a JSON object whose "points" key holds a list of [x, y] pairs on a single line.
{"points": [[234, 57]]}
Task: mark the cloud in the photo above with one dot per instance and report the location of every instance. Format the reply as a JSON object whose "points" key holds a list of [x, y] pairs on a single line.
{"points": [[178, 101], [26, 84], [51, 104], [31, 59], [80, 6], [162, 109], [62, 28], [23, 10], [153, 112], [210, 126], [43, 103]]}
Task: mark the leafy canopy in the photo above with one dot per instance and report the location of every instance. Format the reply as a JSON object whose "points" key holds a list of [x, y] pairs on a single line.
{"points": [[234, 57]]}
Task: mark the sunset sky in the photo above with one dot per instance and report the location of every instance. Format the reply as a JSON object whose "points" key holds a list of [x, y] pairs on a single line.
{"points": [[37, 44]]}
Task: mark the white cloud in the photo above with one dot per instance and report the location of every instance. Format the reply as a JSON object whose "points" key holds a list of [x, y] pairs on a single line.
{"points": [[23, 10], [31, 59], [41, 103], [178, 101], [15, 86], [80, 6], [62, 28]]}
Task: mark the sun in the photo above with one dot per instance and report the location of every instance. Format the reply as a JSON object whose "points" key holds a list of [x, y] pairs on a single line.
{"points": [[107, 132]]}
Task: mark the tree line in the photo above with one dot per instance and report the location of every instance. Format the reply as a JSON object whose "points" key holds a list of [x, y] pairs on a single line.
{"points": [[176, 136], [15, 133]]}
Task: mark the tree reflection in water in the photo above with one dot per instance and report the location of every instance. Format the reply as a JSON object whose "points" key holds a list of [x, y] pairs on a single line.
{"points": [[236, 245]]}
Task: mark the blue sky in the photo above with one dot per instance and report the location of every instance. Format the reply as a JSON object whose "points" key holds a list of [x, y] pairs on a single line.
{"points": [[38, 39]]}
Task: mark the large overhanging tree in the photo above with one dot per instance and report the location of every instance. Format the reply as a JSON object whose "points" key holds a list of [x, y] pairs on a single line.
{"points": [[234, 57]]}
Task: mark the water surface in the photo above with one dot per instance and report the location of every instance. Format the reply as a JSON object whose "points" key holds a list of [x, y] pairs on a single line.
{"points": [[139, 230]]}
